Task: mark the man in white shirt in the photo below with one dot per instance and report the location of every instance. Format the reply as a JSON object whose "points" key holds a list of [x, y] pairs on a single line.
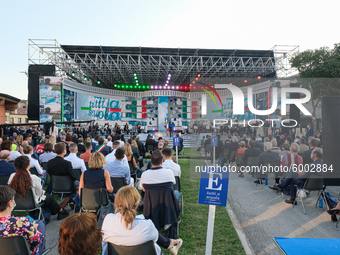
{"points": [[111, 157], [109, 141], [77, 163], [28, 151], [119, 140], [157, 174], [169, 163]]}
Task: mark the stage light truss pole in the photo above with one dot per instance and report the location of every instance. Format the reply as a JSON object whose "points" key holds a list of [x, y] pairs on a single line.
{"points": [[283, 54], [153, 69]]}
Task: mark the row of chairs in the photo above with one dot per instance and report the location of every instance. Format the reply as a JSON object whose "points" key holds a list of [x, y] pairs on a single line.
{"points": [[14, 245]]}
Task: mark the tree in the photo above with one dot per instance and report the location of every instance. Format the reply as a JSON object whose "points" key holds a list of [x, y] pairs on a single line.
{"points": [[48, 110], [47, 81], [315, 68]]}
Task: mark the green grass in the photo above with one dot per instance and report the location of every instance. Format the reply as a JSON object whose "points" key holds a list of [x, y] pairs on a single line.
{"points": [[193, 226]]}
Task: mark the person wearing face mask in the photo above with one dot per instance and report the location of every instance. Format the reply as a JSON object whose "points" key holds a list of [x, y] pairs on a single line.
{"points": [[299, 178], [33, 232]]}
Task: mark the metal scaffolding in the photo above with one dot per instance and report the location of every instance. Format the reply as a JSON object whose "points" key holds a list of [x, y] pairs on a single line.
{"points": [[116, 65]]}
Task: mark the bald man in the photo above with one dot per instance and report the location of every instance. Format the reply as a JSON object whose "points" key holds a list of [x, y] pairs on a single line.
{"points": [[5, 167]]}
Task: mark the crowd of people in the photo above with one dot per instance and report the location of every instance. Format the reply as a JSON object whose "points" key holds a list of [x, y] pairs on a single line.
{"points": [[30, 159], [283, 150]]}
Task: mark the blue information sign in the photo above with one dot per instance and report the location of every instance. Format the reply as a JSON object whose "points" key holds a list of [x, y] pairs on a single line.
{"points": [[176, 141], [213, 186], [214, 141]]}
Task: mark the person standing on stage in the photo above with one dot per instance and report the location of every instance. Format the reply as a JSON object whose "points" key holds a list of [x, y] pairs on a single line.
{"points": [[171, 127]]}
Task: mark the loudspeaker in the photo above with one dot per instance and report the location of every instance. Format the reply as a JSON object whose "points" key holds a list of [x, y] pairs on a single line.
{"points": [[331, 138], [34, 71]]}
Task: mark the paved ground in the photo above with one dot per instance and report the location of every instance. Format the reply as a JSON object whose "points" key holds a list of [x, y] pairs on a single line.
{"points": [[263, 215]]}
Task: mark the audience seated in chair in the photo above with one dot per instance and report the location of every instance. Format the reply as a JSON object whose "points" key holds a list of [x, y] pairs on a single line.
{"points": [[33, 232], [299, 178], [61, 167], [77, 163], [79, 234], [94, 178], [157, 183], [48, 153], [127, 229], [169, 163], [5, 167], [87, 154], [267, 156], [22, 181], [111, 157], [117, 168]]}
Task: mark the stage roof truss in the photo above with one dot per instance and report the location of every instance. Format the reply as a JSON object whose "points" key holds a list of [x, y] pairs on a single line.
{"points": [[116, 65]]}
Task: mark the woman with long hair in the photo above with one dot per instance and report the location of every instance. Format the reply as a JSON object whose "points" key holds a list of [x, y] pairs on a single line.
{"points": [[96, 177], [52, 140], [19, 140], [127, 229], [131, 160], [22, 181], [79, 234]]}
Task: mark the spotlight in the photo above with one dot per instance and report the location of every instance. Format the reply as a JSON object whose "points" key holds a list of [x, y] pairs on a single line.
{"points": [[196, 79], [245, 81], [181, 87], [115, 85], [148, 87], [156, 87], [259, 77], [193, 81], [98, 82], [85, 78], [173, 87], [143, 87], [177, 88], [151, 87], [185, 87], [73, 74], [198, 75], [160, 87]]}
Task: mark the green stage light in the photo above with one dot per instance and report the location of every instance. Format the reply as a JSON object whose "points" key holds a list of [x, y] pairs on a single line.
{"points": [[135, 74], [135, 87], [148, 87], [123, 86], [118, 86], [139, 86], [98, 82], [143, 87], [73, 74], [131, 86], [85, 78]]}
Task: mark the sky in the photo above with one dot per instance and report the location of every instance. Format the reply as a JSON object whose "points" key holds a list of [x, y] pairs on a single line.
{"points": [[213, 24]]}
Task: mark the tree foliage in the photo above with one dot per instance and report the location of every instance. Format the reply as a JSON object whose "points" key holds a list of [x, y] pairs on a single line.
{"points": [[319, 72]]}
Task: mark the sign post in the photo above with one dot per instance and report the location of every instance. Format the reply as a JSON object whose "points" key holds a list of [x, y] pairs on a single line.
{"points": [[213, 191], [176, 142]]}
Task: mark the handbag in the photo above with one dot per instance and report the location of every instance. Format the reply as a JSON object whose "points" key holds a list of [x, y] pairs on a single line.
{"points": [[103, 211]]}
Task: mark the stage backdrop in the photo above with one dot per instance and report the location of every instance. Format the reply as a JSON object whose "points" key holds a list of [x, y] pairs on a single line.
{"points": [[50, 98], [97, 108], [162, 113]]}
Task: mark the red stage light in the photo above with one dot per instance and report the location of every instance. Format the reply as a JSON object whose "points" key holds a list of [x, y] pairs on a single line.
{"points": [[198, 75], [181, 87], [259, 77], [185, 87]]}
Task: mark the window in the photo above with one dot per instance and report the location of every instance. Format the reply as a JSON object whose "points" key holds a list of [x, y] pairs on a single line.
{"points": [[26, 120], [19, 120], [12, 120]]}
